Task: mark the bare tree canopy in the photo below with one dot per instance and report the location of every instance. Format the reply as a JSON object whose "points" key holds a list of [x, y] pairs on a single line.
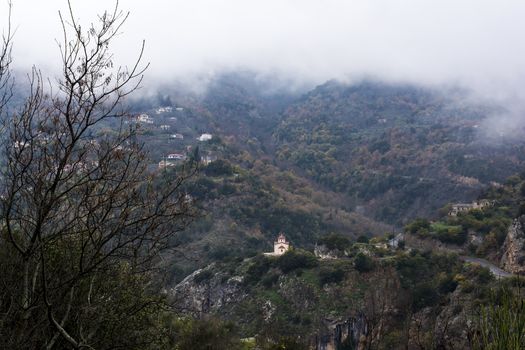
{"points": [[82, 220]]}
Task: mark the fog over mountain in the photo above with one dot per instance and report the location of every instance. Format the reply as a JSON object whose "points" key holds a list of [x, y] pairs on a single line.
{"points": [[474, 44]]}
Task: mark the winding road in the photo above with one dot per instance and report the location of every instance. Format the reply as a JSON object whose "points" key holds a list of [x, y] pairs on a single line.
{"points": [[496, 271]]}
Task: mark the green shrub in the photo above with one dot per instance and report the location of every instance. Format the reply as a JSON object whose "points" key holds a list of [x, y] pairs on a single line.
{"points": [[513, 180], [257, 269], [501, 324], [521, 210], [484, 275], [286, 343], [219, 168], [334, 241], [204, 334], [293, 260], [363, 263], [447, 284], [412, 268], [330, 275], [362, 239], [467, 287], [227, 189], [454, 234], [219, 253], [424, 294], [269, 280], [203, 188], [420, 226]]}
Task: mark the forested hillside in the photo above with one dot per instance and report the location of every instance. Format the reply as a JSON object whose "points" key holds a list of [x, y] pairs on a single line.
{"points": [[373, 143], [341, 170], [361, 159], [447, 283], [399, 151]]}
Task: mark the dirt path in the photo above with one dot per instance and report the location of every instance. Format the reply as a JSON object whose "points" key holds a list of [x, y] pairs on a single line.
{"points": [[496, 271]]}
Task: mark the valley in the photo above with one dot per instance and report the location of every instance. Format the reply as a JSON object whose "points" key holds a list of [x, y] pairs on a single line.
{"points": [[355, 160], [348, 168], [262, 175]]}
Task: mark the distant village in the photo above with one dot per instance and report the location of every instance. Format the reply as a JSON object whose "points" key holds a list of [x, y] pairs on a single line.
{"points": [[164, 122], [282, 245], [465, 207]]}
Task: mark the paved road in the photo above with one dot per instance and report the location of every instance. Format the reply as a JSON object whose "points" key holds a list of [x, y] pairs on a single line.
{"points": [[496, 271]]}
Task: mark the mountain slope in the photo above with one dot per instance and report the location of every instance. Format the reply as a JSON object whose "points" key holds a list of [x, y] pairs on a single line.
{"points": [[399, 151]]}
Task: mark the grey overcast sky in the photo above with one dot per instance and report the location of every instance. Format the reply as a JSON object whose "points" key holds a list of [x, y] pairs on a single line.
{"points": [[476, 43]]}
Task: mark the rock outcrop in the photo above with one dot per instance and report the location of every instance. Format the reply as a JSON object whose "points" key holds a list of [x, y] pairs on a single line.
{"points": [[322, 252], [206, 291], [513, 259], [347, 333]]}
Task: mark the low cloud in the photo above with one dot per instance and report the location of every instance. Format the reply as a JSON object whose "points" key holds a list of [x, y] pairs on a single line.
{"points": [[473, 43]]}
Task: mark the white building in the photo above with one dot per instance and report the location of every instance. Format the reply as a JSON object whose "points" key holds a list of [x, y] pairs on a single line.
{"points": [[205, 137], [165, 127], [165, 164], [144, 118], [176, 156], [280, 246], [163, 110], [466, 207], [177, 136]]}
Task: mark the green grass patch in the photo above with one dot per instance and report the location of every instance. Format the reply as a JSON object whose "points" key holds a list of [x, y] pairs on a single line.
{"points": [[272, 295], [310, 276], [441, 227]]}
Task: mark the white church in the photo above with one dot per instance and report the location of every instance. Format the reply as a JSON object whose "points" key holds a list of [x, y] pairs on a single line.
{"points": [[280, 246]]}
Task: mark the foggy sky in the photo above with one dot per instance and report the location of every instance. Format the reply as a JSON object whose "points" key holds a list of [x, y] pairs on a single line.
{"points": [[475, 43]]}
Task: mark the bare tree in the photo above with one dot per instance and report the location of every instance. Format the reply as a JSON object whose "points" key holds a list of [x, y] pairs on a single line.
{"points": [[379, 305], [82, 218], [5, 61]]}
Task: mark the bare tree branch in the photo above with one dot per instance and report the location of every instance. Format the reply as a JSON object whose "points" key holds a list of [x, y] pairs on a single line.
{"points": [[79, 209]]}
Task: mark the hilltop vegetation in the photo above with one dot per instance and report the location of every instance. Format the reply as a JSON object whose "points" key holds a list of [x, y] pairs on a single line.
{"points": [[244, 210], [371, 143], [377, 292], [358, 160], [382, 144], [481, 232], [404, 298]]}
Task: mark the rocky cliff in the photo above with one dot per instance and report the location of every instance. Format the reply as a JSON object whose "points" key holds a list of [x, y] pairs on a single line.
{"points": [[347, 334], [323, 252], [207, 291], [513, 259], [406, 299], [212, 290]]}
